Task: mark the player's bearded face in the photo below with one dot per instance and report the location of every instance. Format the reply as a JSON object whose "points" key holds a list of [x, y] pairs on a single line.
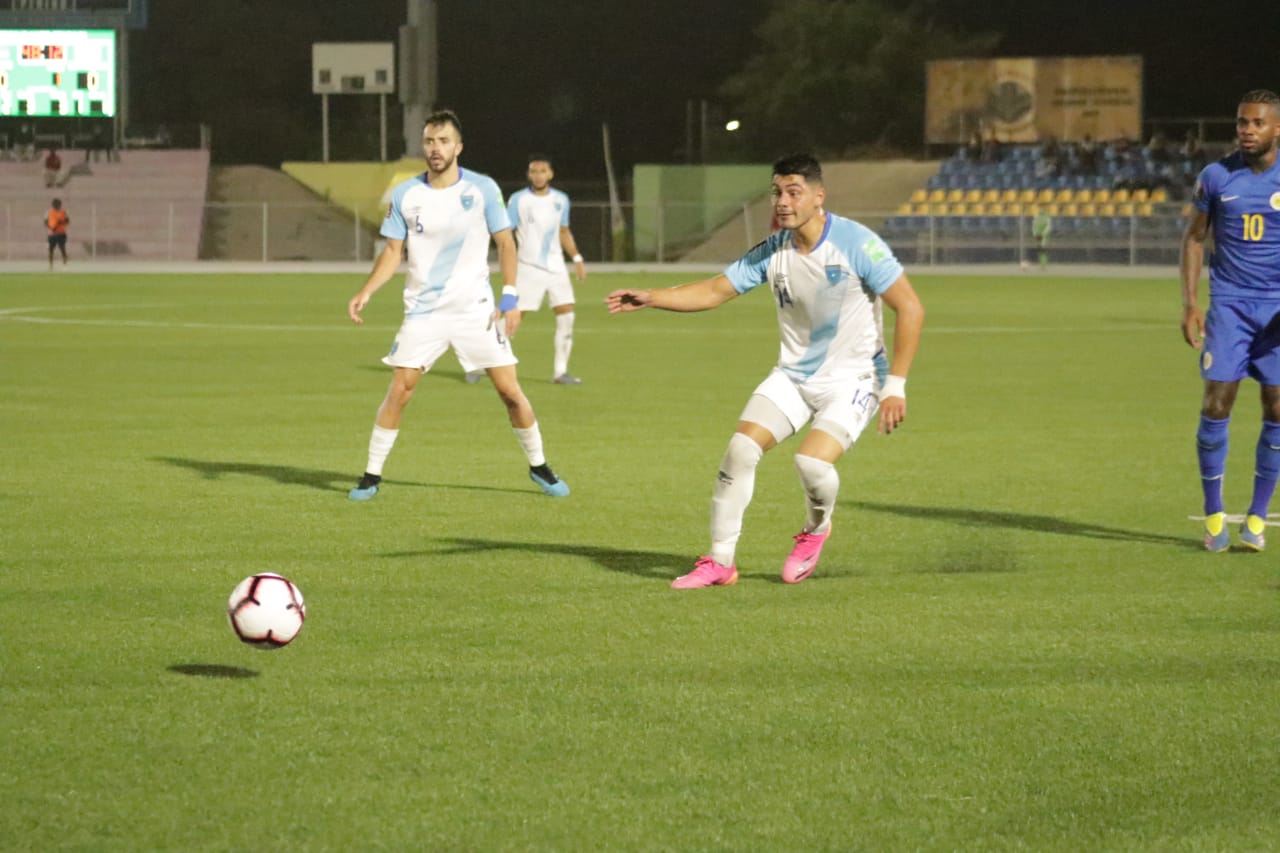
{"points": [[539, 174], [1256, 129], [440, 147]]}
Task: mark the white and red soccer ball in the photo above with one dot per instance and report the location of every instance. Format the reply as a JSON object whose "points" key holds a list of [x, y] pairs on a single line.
{"points": [[266, 610]]}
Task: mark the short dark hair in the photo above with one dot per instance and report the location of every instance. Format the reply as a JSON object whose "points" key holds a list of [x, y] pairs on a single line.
{"points": [[535, 157], [444, 117], [1261, 96], [804, 165], [57, 202]]}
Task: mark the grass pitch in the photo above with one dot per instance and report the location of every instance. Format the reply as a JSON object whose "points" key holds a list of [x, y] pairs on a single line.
{"points": [[1013, 640]]}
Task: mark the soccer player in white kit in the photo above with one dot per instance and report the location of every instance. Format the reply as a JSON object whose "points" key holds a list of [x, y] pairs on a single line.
{"points": [[540, 216], [829, 276], [446, 215]]}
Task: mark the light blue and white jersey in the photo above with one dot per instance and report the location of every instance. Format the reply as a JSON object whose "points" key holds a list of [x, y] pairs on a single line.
{"points": [[829, 307], [447, 233], [538, 220]]}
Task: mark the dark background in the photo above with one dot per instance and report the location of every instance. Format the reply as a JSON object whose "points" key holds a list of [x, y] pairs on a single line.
{"points": [[543, 76]]}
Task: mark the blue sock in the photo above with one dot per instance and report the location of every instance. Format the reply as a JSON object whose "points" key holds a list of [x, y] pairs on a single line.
{"points": [[1267, 469], [1211, 448]]}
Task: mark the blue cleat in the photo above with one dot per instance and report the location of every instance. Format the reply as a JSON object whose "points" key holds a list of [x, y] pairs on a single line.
{"points": [[366, 488], [548, 481], [1216, 536], [1251, 533]]}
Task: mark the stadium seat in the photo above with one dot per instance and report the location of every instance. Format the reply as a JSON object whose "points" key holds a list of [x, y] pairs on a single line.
{"points": [[1027, 196], [1125, 209], [972, 196], [937, 196], [1083, 196], [1088, 210], [990, 196], [1106, 210], [1064, 196], [1159, 195], [919, 196], [1101, 196], [1070, 210], [1045, 196], [1146, 209], [1015, 209], [1120, 196], [996, 209], [904, 209], [1140, 196], [954, 196], [978, 209], [959, 209], [1008, 196]]}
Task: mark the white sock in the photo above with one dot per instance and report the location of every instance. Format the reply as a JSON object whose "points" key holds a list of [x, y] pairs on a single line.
{"points": [[735, 483], [531, 443], [563, 342], [380, 444], [821, 485]]}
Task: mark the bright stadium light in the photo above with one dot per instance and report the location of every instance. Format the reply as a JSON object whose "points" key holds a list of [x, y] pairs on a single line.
{"points": [[732, 124]]}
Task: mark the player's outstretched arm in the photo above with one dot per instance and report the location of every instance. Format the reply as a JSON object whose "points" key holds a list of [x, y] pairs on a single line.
{"points": [[908, 315], [1191, 262], [694, 296], [383, 268]]}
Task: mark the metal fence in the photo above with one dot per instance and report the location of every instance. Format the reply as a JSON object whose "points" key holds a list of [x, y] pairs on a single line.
{"points": [[262, 231]]}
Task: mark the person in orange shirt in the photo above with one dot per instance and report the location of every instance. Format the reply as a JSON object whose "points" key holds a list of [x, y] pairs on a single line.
{"points": [[56, 222]]}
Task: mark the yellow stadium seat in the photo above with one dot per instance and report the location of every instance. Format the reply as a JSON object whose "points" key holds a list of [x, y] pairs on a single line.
{"points": [[1064, 196], [1101, 196], [1045, 196], [960, 209], [1088, 210], [1051, 209], [996, 209], [939, 210], [937, 196], [1146, 209], [1008, 196], [1106, 210], [1125, 209], [1083, 196], [954, 197], [919, 196], [1027, 196], [920, 209], [1070, 210], [990, 196], [904, 209], [1014, 209], [972, 196], [1140, 196], [1159, 195], [1120, 196], [978, 209]]}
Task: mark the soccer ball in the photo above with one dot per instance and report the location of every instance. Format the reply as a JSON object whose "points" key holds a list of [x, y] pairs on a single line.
{"points": [[266, 610]]}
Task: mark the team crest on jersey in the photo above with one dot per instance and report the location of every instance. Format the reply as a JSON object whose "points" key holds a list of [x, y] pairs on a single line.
{"points": [[1275, 201], [836, 274], [467, 201], [559, 207], [1206, 360]]}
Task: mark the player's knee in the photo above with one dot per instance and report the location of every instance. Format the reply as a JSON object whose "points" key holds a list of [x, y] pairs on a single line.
{"points": [[1212, 434], [742, 455]]}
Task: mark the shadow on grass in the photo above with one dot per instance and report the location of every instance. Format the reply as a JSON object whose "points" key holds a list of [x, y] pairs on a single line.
{"points": [[446, 375], [325, 481], [1023, 521], [213, 670], [645, 564]]}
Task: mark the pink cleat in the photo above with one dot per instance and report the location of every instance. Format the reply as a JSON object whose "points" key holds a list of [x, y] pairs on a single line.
{"points": [[706, 572], [804, 556]]}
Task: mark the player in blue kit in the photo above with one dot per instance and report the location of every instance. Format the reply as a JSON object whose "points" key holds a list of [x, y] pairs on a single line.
{"points": [[829, 276], [1238, 198], [447, 215]]}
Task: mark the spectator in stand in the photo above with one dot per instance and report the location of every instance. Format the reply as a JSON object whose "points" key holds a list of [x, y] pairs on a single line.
{"points": [[24, 141], [973, 150], [52, 168], [55, 223], [1049, 158], [1192, 155], [1087, 155], [992, 150], [1157, 150]]}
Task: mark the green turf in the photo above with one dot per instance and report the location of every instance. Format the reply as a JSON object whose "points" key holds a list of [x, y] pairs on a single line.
{"points": [[1013, 640]]}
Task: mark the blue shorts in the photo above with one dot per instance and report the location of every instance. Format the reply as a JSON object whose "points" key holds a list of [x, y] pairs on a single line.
{"points": [[1242, 338]]}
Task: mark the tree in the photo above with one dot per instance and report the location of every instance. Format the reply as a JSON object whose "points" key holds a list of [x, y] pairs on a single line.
{"points": [[830, 75]]}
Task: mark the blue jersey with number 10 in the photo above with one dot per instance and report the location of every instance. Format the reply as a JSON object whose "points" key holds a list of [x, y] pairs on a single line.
{"points": [[1244, 212]]}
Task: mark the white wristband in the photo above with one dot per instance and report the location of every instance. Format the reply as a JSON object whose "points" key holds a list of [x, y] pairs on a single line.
{"points": [[894, 386], [510, 290], [577, 259]]}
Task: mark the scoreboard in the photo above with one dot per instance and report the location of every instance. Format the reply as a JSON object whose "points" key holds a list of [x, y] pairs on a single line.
{"points": [[56, 73]]}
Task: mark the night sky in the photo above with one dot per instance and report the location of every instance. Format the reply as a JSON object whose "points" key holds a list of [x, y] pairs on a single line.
{"points": [[543, 76]]}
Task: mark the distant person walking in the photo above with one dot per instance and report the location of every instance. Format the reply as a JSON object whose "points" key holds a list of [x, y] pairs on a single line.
{"points": [[56, 222]]}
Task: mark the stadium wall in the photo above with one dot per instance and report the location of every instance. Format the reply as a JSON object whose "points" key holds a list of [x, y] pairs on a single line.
{"points": [[361, 187], [677, 205]]}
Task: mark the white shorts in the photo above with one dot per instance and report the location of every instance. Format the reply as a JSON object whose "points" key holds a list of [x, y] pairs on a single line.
{"points": [[841, 407], [532, 283], [475, 336]]}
